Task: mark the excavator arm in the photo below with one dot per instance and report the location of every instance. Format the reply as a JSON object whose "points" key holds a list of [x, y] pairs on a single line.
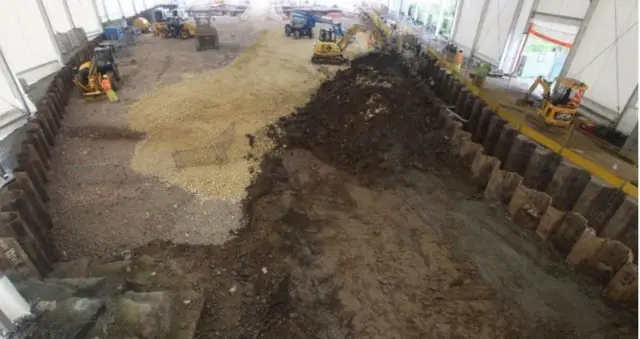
{"points": [[546, 88]]}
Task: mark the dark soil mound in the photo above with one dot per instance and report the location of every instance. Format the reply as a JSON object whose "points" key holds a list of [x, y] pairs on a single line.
{"points": [[369, 119]]}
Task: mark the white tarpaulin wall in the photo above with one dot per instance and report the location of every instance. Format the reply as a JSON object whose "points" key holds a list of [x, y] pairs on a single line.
{"points": [[85, 17], [57, 15], [556, 31], [469, 15], [494, 31], [139, 5], [102, 11], [564, 8], [609, 67], [28, 47], [127, 8], [113, 9]]}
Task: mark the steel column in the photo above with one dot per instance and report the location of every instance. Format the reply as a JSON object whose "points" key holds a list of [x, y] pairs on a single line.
{"points": [[576, 43], [456, 19], [95, 10], [68, 12], [510, 33], [483, 14], [14, 84], [49, 27]]}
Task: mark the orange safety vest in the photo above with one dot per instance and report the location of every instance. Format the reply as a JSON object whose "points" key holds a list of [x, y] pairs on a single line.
{"points": [[106, 84], [459, 58]]}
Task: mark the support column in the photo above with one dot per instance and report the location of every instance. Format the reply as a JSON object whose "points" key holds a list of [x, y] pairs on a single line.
{"points": [[628, 107], [576, 43], [516, 36], [483, 16], [68, 12], [106, 10], [27, 106], [440, 18], [456, 19], [49, 27], [121, 10], [95, 10]]}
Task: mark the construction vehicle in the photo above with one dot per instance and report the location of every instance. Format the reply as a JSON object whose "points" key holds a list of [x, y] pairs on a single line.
{"points": [[206, 35], [558, 107], [92, 73], [177, 27], [302, 24], [329, 49]]}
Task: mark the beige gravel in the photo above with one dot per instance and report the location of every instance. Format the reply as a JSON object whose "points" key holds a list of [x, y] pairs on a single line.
{"points": [[265, 82]]}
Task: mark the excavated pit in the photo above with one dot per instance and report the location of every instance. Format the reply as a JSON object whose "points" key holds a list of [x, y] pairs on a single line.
{"points": [[345, 238]]}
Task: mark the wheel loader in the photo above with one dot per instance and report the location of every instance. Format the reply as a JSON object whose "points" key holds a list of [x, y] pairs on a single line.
{"points": [[206, 36]]}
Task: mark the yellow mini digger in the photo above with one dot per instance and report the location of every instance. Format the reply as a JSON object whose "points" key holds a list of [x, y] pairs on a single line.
{"points": [[557, 107], [329, 50], [98, 75]]}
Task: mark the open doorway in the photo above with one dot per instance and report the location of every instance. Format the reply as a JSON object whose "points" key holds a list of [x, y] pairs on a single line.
{"points": [[543, 53]]}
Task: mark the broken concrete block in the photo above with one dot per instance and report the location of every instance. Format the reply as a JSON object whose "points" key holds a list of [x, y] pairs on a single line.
{"points": [[611, 256], [452, 127], [527, 206], [469, 151], [459, 137], [587, 246], [482, 168], [35, 290], [603, 206], [570, 230], [493, 134], [505, 141], [520, 153], [598, 202], [77, 268], [567, 184], [14, 261], [541, 168], [474, 117], [72, 318], [482, 127], [626, 216], [629, 237], [550, 222], [462, 100], [494, 187], [623, 287], [468, 106], [137, 315]]}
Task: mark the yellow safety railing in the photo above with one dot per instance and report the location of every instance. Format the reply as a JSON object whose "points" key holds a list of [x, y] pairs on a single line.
{"points": [[590, 166]]}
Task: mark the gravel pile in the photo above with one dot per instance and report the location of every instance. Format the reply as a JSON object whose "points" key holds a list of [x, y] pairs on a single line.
{"points": [[193, 117]]}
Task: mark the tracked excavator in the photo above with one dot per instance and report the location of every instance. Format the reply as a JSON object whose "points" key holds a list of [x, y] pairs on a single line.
{"points": [[329, 49], [558, 106]]}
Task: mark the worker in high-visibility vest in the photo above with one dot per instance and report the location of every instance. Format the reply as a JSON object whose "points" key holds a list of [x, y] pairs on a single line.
{"points": [[459, 60]]}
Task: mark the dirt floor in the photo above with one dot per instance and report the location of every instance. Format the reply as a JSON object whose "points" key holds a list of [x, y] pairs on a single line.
{"points": [[358, 224], [100, 205]]}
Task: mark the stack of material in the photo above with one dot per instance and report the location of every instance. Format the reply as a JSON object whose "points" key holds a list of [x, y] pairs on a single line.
{"points": [[369, 119]]}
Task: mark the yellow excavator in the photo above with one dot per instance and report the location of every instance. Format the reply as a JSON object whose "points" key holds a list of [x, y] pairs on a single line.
{"points": [[558, 106], [329, 50]]}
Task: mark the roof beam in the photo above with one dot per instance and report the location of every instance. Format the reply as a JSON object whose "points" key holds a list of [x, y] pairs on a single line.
{"points": [[559, 19]]}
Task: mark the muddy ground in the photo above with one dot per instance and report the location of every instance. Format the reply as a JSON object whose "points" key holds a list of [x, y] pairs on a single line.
{"points": [[393, 244], [99, 204]]}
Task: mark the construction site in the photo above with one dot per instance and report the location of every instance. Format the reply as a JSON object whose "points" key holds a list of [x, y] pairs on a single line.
{"points": [[270, 170]]}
